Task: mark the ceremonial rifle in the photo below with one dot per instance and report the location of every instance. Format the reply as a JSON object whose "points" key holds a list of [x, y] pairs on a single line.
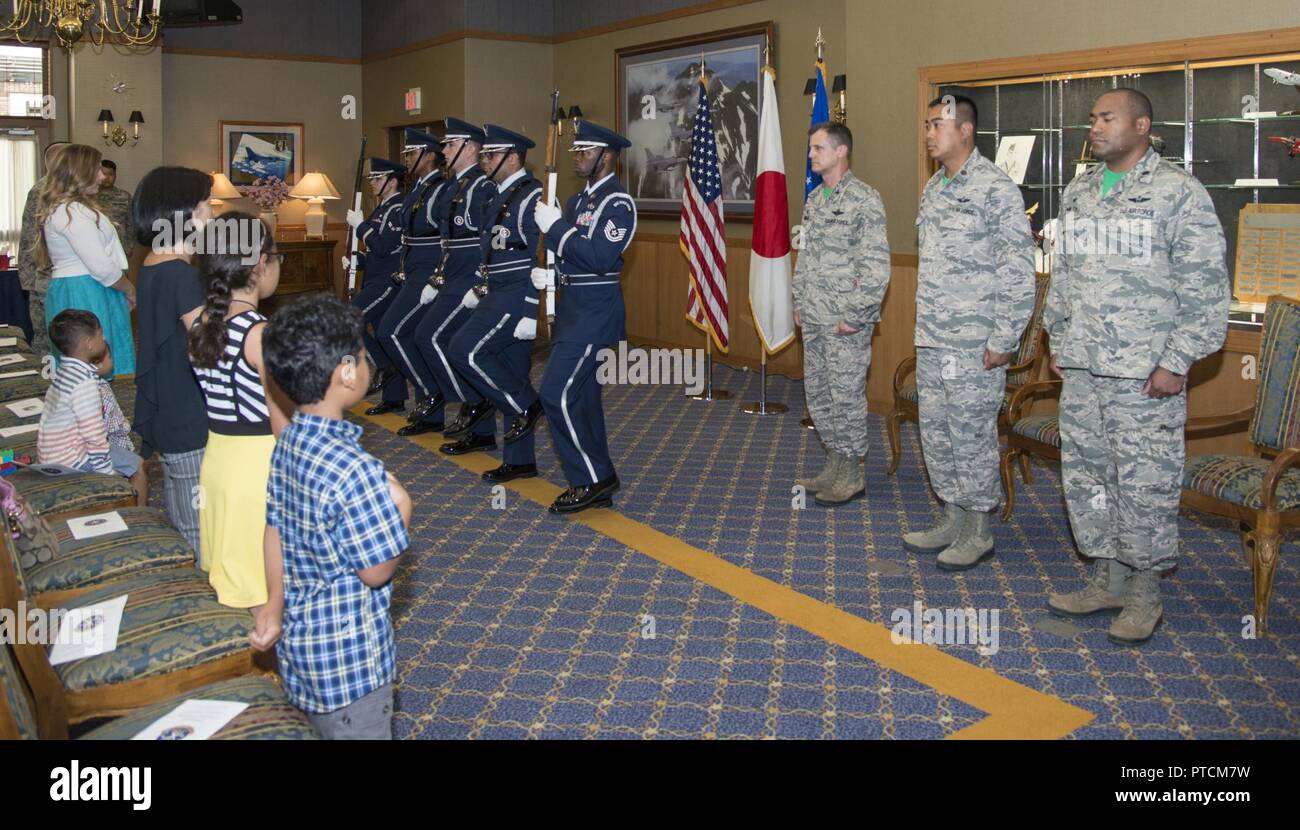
{"points": [[356, 205], [544, 254]]}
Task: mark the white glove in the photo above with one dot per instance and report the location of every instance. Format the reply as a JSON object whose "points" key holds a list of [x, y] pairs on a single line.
{"points": [[527, 329], [470, 300], [546, 215], [347, 263], [543, 278], [355, 217], [427, 295]]}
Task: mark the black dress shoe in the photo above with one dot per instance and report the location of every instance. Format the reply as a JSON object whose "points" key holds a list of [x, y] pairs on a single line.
{"points": [[420, 428], [510, 472], [470, 415], [522, 425], [384, 407], [381, 379], [424, 407], [600, 494], [468, 444]]}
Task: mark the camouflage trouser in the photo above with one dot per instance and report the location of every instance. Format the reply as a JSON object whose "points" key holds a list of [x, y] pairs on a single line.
{"points": [[835, 384], [40, 332], [958, 403], [1122, 467]]}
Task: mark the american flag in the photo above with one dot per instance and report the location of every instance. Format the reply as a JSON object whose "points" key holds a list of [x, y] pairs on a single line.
{"points": [[703, 237]]}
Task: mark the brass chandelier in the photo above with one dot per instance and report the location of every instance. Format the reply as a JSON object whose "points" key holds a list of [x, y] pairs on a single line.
{"points": [[130, 22]]}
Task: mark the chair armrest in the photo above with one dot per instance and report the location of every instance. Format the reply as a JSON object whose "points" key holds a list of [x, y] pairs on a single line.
{"points": [[1288, 458], [1209, 425], [1029, 391], [907, 367]]}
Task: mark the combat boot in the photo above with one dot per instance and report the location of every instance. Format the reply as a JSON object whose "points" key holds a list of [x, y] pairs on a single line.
{"points": [[823, 479], [1142, 610], [1104, 593], [974, 544], [849, 483], [938, 537]]}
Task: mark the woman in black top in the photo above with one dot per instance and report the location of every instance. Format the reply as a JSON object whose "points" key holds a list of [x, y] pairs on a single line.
{"points": [[170, 204]]}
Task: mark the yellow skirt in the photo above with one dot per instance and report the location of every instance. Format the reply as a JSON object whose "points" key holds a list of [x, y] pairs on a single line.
{"points": [[232, 516]]}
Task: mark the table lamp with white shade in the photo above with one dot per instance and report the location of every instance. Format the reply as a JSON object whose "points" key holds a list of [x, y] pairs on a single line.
{"points": [[222, 189], [315, 188]]}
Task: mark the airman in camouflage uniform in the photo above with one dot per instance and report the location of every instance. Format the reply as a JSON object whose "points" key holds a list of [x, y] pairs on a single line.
{"points": [[34, 279], [839, 282], [975, 293], [116, 204], [1141, 293]]}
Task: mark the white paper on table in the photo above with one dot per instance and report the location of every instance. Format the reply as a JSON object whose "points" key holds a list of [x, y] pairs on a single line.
{"points": [[27, 407], [193, 720], [100, 524], [23, 373], [14, 432], [1013, 156], [5, 360], [87, 631], [8, 341]]}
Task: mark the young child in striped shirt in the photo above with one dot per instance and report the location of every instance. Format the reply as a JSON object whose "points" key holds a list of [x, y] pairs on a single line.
{"points": [[82, 425]]}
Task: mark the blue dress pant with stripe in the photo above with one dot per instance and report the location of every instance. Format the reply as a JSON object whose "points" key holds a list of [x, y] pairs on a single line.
{"points": [[571, 400], [443, 319], [374, 299], [486, 353], [396, 332]]}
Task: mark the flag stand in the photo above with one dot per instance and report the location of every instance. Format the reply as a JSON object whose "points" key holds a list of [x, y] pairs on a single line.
{"points": [[710, 394], [761, 406]]}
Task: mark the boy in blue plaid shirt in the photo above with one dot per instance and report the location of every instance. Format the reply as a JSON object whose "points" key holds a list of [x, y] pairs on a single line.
{"points": [[335, 524]]}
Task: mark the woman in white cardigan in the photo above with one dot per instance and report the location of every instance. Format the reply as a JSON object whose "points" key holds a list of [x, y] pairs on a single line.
{"points": [[81, 246]]}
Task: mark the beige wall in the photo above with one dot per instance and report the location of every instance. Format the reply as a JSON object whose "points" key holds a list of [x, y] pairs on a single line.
{"points": [[892, 38], [510, 83], [92, 71], [199, 92], [439, 71]]}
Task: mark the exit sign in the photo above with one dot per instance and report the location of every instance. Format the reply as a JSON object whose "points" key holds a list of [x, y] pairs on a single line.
{"points": [[413, 101]]}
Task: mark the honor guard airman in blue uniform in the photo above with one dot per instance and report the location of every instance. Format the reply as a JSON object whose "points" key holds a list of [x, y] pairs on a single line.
{"points": [[461, 214], [421, 252], [381, 233], [493, 349], [588, 239]]}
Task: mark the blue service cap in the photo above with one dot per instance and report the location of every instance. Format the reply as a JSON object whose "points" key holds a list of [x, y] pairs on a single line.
{"points": [[590, 135], [379, 168], [499, 138], [419, 139], [458, 129]]}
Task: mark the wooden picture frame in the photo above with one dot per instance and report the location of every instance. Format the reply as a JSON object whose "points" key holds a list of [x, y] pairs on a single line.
{"points": [[655, 96], [249, 149]]}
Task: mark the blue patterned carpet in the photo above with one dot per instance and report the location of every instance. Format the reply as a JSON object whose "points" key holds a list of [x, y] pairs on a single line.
{"points": [[513, 623]]}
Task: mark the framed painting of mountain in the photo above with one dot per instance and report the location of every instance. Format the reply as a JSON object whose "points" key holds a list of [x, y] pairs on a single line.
{"points": [[253, 151], [658, 89]]}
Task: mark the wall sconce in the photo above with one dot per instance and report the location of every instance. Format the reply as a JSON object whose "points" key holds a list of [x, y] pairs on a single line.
{"points": [[838, 88], [116, 135], [575, 112]]}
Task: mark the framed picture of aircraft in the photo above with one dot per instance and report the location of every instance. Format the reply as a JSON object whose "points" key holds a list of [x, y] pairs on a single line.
{"points": [[251, 151], [657, 94]]}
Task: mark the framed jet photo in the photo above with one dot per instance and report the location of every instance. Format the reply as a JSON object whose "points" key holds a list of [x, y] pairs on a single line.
{"points": [[657, 95], [253, 151]]}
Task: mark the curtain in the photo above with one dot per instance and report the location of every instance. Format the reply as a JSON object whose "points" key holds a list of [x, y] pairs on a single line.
{"points": [[17, 175]]}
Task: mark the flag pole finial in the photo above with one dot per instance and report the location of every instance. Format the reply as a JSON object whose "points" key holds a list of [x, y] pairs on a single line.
{"points": [[701, 65], [821, 43]]}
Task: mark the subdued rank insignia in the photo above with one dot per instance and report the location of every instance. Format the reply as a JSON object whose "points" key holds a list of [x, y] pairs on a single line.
{"points": [[613, 232]]}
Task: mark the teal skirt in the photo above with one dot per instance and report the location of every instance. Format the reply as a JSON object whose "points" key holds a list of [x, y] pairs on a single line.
{"points": [[108, 305]]}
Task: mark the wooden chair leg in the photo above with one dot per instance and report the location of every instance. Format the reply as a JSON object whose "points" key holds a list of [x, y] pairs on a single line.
{"points": [[1025, 472], [1007, 458], [895, 440], [1267, 542]]}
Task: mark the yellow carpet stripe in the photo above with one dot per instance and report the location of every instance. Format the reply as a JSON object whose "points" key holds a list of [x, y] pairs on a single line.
{"points": [[1014, 711]]}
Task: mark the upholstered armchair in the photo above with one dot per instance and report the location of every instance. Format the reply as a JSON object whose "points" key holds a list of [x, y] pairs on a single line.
{"points": [[1028, 435], [1262, 490]]}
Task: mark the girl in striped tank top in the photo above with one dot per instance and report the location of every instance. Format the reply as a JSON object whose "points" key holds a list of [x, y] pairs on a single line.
{"points": [[245, 413]]}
